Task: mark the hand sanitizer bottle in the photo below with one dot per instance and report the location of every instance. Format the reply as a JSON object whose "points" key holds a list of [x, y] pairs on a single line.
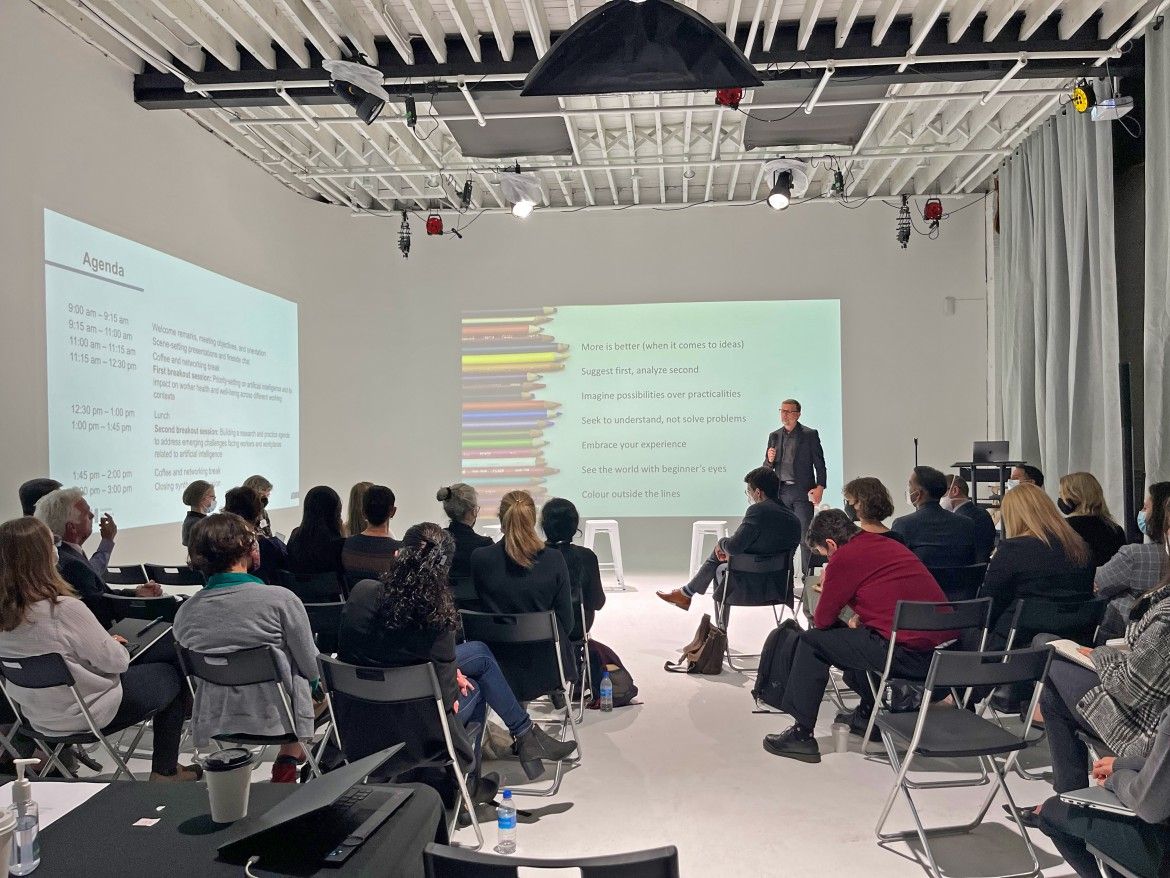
{"points": [[26, 842]]}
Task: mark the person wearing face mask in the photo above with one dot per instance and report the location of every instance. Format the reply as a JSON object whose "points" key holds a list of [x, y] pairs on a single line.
{"points": [[1082, 501], [1136, 568], [936, 536], [199, 498], [868, 503], [958, 500], [263, 488]]}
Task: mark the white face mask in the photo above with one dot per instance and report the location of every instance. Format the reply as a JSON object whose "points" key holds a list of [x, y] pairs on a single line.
{"points": [[947, 503], [1011, 483], [209, 507], [910, 497]]}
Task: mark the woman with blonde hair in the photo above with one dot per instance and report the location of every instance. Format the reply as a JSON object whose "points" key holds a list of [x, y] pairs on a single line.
{"points": [[355, 519], [1083, 502], [1040, 557], [263, 487]]}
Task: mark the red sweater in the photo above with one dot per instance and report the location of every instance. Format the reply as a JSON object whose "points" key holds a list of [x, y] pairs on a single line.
{"points": [[870, 574]]}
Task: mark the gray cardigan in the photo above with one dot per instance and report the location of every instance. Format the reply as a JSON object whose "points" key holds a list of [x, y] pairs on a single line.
{"points": [[239, 617], [1144, 784]]}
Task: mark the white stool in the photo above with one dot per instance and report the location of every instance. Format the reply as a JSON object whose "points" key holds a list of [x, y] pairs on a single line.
{"points": [[492, 530], [609, 527], [700, 530]]}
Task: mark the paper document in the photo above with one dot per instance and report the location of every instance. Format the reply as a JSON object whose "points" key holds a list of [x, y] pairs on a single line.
{"points": [[1067, 649]]}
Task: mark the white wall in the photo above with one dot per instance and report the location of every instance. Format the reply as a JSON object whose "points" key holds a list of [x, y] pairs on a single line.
{"points": [[379, 334]]}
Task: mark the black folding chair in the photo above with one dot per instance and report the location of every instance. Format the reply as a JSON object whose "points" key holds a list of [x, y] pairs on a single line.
{"points": [[466, 597], [256, 666], [126, 607], [960, 583], [173, 574], [448, 862], [952, 734], [1075, 620], [125, 574], [325, 623], [51, 672], [375, 708], [312, 588], [754, 581], [527, 647], [1104, 861]]}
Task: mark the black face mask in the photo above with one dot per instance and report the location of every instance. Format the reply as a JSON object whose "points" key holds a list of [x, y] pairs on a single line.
{"points": [[264, 501], [851, 512], [1065, 506]]}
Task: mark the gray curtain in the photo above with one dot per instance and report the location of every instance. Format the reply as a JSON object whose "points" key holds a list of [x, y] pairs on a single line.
{"points": [[1157, 312], [1055, 334]]}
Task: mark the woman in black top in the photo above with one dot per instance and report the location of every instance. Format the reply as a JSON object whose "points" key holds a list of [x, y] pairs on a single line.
{"points": [[409, 618], [1083, 501], [246, 503], [315, 546], [462, 506], [199, 497], [559, 520]]}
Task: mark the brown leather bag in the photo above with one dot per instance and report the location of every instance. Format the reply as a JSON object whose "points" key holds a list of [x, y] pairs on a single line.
{"points": [[704, 654]]}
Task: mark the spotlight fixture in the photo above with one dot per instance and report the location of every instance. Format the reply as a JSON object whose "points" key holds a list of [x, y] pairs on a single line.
{"points": [[522, 190], [932, 211], [404, 237], [729, 97], [465, 195], [411, 112], [434, 224], [359, 86], [789, 180], [838, 188], [904, 223]]}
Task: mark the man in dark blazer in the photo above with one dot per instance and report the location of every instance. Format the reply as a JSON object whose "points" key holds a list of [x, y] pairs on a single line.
{"points": [[958, 500], [768, 528], [937, 537], [794, 452]]}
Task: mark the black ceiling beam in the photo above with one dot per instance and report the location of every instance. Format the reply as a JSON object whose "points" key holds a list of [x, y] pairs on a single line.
{"points": [[157, 91]]}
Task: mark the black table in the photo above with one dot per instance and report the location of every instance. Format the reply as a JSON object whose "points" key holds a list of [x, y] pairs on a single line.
{"points": [[99, 838]]}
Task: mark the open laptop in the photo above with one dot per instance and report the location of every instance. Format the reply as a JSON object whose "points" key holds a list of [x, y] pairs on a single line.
{"points": [[1099, 798], [140, 635], [324, 821], [990, 452]]}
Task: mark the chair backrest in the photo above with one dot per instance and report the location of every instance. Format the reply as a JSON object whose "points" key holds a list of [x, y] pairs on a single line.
{"points": [[173, 574], [958, 670], [463, 590], [759, 580], [1076, 620], [942, 615], [325, 622], [451, 862], [126, 607], [959, 583], [125, 574], [245, 667], [526, 646], [36, 672], [312, 588]]}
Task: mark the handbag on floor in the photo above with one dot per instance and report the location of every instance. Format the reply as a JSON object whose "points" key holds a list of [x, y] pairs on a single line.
{"points": [[775, 663], [601, 659], [704, 654]]}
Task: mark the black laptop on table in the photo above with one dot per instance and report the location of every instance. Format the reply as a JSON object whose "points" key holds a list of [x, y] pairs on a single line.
{"points": [[990, 452]]}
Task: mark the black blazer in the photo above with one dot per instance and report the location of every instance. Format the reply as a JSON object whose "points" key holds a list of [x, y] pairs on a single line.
{"points": [[809, 463], [466, 542], [1105, 538], [985, 532], [585, 584], [767, 528], [90, 587], [192, 519], [938, 537], [503, 586], [1023, 567]]}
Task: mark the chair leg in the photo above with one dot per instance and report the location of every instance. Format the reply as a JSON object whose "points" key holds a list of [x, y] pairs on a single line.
{"points": [[465, 803], [586, 679], [119, 762], [554, 786]]}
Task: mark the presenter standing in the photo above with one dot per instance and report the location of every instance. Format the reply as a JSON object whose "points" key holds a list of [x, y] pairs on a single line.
{"points": [[794, 452]]}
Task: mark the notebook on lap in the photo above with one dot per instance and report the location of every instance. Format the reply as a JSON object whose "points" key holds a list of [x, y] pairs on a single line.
{"points": [[140, 635]]}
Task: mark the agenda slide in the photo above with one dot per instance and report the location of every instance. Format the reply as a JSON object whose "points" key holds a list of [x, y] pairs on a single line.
{"points": [[643, 409], [160, 373]]}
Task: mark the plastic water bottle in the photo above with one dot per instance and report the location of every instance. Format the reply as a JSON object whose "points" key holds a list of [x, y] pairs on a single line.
{"points": [[506, 825], [606, 693]]}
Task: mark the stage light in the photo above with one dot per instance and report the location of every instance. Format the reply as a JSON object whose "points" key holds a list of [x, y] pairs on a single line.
{"points": [[522, 190], [781, 193], [404, 237], [465, 195], [729, 97], [434, 224], [789, 180], [411, 112], [904, 224], [932, 211], [523, 208], [359, 86]]}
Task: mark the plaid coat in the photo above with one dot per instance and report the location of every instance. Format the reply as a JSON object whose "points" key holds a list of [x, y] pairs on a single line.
{"points": [[1135, 684]]}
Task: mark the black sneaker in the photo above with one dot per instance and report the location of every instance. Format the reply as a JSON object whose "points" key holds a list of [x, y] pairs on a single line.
{"points": [[787, 744]]}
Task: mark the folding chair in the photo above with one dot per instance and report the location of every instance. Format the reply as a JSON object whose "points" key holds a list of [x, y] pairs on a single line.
{"points": [[312, 588], [325, 623], [446, 862], [148, 609], [126, 574], [960, 583], [1075, 620], [527, 647], [754, 581], [918, 616], [585, 677], [1104, 862], [958, 733], [463, 590], [173, 574], [375, 708], [256, 666], [51, 672]]}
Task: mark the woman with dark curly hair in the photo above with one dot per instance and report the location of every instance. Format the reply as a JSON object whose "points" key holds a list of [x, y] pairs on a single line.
{"points": [[408, 617]]}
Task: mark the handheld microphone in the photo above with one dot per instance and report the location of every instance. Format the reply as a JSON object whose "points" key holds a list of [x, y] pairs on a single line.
{"points": [[916, 451]]}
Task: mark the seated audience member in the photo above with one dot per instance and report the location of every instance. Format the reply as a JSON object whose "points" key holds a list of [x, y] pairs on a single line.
{"points": [[315, 546], [370, 552], [1136, 568], [99, 561], [933, 534], [40, 614], [869, 574], [263, 487], [462, 506], [958, 500], [559, 520], [69, 518], [245, 503], [768, 528], [232, 613], [199, 498], [1142, 841], [1040, 557], [1025, 475], [870, 504], [1082, 501], [408, 617], [33, 490], [355, 518]]}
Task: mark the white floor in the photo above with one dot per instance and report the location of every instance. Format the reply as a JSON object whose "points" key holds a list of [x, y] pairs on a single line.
{"points": [[686, 767]]}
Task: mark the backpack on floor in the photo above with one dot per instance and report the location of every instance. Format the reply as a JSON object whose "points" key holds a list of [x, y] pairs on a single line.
{"points": [[602, 658], [773, 674]]}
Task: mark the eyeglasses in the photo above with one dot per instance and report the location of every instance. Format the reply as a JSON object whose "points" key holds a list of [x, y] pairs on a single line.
{"points": [[790, 411]]}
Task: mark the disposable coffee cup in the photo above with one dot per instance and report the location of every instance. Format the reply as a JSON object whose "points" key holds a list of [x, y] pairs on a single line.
{"points": [[7, 830], [229, 780], [840, 737]]}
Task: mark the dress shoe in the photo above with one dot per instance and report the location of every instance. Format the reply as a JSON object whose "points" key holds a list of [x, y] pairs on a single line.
{"points": [[677, 597], [1029, 816], [788, 745]]}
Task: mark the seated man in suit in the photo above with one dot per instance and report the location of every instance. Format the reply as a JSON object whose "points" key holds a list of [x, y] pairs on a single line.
{"points": [[868, 573], [933, 534], [958, 500], [768, 528], [33, 490], [69, 517]]}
